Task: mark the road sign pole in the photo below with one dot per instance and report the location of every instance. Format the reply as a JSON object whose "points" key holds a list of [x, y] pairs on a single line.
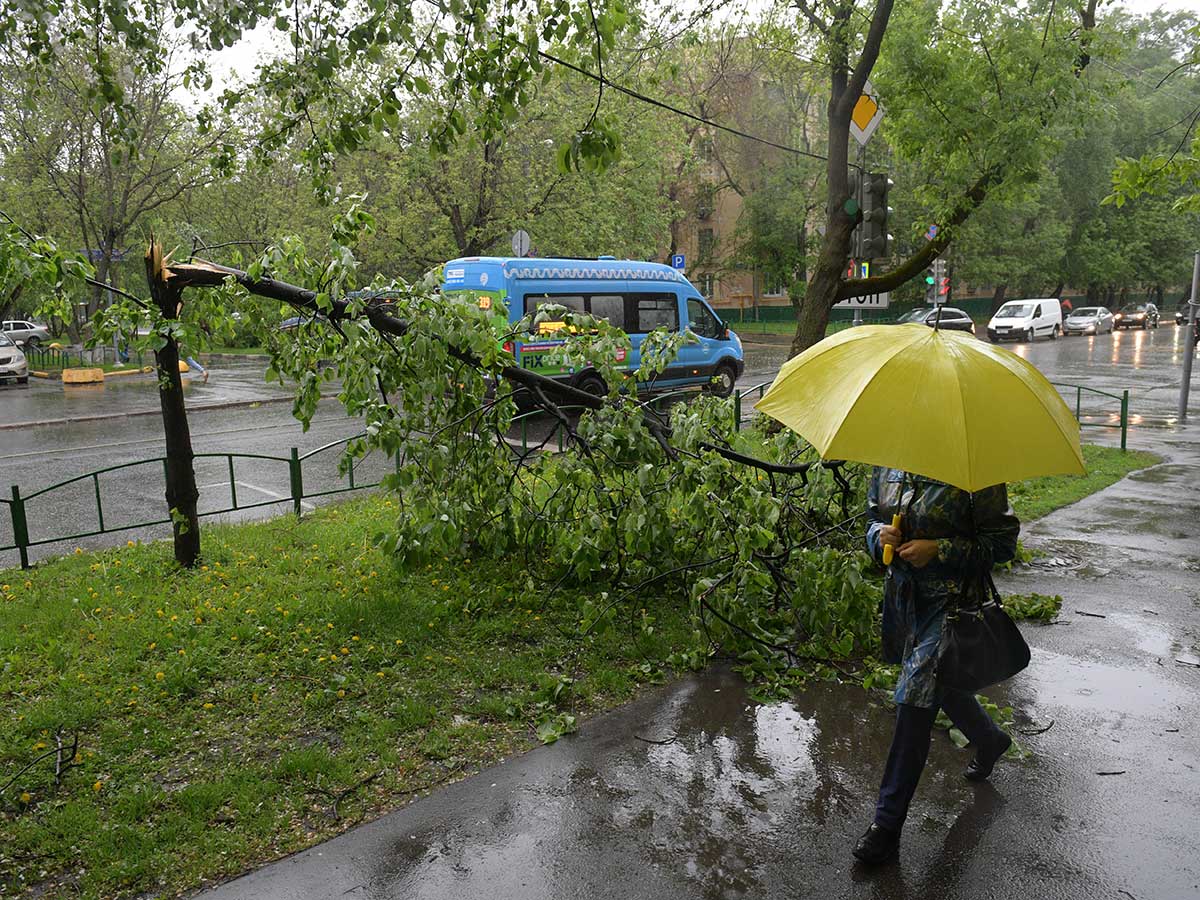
{"points": [[1189, 345]]}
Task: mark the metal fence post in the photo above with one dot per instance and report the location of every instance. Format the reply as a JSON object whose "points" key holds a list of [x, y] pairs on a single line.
{"points": [[297, 480], [737, 410], [1124, 417], [1078, 396], [20, 526]]}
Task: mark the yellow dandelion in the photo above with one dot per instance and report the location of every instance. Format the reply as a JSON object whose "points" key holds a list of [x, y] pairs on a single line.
{"points": [[378, 674], [129, 543], [98, 786], [208, 706], [159, 676], [341, 694], [26, 797]]}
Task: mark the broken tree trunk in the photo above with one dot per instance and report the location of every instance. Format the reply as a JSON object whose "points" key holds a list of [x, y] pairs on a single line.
{"points": [[182, 494]]}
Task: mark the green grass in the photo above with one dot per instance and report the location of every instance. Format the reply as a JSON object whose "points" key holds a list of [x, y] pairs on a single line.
{"points": [[1105, 465], [222, 711]]}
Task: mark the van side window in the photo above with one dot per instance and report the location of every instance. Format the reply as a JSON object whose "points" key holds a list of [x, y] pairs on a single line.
{"points": [[573, 302], [700, 320], [608, 306], [655, 311]]}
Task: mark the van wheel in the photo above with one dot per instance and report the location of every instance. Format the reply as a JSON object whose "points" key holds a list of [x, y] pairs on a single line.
{"points": [[1054, 334], [1029, 336], [724, 380], [594, 385]]}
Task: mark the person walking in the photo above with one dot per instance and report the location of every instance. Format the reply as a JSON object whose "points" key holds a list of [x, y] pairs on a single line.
{"points": [[944, 548]]}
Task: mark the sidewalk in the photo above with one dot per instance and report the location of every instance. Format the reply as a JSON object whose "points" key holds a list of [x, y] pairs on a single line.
{"points": [[695, 791]]}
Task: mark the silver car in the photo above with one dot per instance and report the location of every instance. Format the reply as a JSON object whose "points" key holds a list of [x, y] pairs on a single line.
{"points": [[24, 330], [12, 361], [1088, 320]]}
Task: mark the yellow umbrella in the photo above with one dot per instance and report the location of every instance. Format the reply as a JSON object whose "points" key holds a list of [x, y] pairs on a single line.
{"points": [[936, 403]]}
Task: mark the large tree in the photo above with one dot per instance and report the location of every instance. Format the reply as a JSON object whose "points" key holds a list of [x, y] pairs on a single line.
{"points": [[971, 89]]}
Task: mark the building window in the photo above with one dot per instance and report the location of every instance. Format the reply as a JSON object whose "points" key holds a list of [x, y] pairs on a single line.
{"points": [[705, 149], [706, 201], [707, 283], [773, 286], [705, 243]]}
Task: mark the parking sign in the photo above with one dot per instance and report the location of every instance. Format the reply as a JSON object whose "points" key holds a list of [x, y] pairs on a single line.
{"points": [[678, 261]]}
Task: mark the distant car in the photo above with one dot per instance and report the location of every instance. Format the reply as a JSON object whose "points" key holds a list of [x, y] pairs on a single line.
{"points": [[296, 321], [12, 361], [24, 330], [952, 319], [1182, 313], [1089, 320], [1025, 320], [1137, 315]]}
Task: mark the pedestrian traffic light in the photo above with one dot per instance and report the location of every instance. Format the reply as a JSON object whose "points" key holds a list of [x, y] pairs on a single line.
{"points": [[941, 281], [876, 242]]}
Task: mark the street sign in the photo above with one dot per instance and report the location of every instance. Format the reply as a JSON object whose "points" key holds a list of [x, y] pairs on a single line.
{"points": [[931, 233], [867, 114], [678, 261], [870, 301], [521, 243]]}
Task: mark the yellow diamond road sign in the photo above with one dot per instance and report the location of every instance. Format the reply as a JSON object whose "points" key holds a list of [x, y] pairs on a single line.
{"points": [[867, 114]]}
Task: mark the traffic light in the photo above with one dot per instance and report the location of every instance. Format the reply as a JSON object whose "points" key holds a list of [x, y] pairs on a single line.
{"points": [[876, 242], [941, 286], [930, 281]]}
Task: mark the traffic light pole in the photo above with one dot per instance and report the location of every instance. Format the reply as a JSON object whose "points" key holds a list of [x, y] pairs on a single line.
{"points": [[1189, 341]]}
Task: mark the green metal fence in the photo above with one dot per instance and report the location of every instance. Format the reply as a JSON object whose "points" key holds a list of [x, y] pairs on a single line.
{"points": [[1121, 414], [18, 503]]}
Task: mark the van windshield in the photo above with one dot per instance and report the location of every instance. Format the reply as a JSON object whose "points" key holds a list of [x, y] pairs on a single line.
{"points": [[1015, 311]]}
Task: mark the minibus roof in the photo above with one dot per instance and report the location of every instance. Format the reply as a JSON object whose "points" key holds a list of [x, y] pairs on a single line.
{"points": [[548, 269]]}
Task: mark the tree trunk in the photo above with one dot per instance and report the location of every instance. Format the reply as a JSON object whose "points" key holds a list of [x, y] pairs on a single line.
{"points": [[1093, 293], [1057, 292], [182, 494], [998, 297]]}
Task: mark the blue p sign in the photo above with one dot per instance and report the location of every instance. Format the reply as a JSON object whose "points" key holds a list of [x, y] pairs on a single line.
{"points": [[677, 261]]}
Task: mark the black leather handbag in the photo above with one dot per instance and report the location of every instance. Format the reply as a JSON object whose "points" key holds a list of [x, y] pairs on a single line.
{"points": [[980, 644]]}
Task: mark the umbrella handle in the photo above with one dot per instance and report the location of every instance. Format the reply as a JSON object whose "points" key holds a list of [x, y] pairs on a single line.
{"points": [[888, 548]]}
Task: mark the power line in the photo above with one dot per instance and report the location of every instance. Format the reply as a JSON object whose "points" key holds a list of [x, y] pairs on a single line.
{"points": [[676, 110]]}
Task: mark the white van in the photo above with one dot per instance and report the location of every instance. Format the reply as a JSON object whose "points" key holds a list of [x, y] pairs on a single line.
{"points": [[1024, 320]]}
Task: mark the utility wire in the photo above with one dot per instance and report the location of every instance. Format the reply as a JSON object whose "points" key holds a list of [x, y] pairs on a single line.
{"points": [[676, 110]]}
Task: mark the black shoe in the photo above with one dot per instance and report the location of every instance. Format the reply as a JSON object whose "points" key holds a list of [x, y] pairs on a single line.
{"points": [[877, 845], [981, 766]]}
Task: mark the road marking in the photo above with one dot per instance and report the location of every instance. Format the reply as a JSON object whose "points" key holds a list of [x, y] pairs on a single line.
{"points": [[254, 487]]}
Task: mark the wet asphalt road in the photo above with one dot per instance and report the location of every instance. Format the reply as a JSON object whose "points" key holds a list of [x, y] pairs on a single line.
{"points": [[696, 791]]}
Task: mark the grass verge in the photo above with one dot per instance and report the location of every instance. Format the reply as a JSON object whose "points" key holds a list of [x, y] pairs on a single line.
{"points": [[1036, 497], [293, 686]]}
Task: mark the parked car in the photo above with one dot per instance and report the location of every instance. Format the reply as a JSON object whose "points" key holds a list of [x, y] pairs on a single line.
{"points": [[1182, 313], [24, 330], [953, 319], [1025, 320], [12, 361], [1137, 315], [1089, 320]]}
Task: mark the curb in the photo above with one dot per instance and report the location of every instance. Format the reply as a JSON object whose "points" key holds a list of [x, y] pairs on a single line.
{"points": [[232, 404]]}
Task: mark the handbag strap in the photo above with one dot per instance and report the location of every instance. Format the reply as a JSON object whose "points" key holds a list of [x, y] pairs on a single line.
{"points": [[974, 566]]}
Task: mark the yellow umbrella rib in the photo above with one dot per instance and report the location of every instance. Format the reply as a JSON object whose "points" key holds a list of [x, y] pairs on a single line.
{"points": [[895, 351], [1072, 438]]}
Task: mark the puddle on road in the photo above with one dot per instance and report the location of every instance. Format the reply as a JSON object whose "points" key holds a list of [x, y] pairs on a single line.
{"points": [[1110, 691]]}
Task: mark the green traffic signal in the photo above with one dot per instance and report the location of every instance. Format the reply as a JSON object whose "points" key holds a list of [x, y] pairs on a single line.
{"points": [[929, 279]]}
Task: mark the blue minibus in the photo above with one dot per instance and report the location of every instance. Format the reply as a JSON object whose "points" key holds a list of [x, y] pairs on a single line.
{"points": [[637, 297]]}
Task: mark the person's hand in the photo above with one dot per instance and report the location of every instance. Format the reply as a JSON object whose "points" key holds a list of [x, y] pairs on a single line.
{"points": [[889, 534], [919, 553]]}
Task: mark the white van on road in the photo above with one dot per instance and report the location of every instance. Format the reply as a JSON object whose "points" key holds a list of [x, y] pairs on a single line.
{"points": [[1025, 320]]}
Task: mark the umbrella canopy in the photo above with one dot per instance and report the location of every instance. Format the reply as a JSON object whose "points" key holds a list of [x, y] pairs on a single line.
{"points": [[936, 403]]}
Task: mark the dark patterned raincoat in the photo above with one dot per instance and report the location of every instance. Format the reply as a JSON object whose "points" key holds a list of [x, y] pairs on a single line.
{"points": [[973, 531]]}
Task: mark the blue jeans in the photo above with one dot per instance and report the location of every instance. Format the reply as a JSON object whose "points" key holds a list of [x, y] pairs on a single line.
{"points": [[910, 749]]}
